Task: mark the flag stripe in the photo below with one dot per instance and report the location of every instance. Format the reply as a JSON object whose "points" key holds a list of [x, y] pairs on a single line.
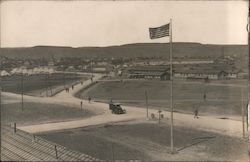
{"points": [[158, 35], [159, 32], [155, 32]]}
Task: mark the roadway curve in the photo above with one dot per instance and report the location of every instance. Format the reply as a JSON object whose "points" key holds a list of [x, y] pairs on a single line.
{"points": [[207, 123]]}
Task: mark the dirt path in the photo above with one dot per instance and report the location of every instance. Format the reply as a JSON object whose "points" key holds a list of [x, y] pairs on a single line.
{"points": [[208, 123], [222, 126]]}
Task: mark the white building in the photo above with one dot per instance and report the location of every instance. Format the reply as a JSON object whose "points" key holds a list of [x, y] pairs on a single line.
{"points": [[36, 70], [4, 73]]}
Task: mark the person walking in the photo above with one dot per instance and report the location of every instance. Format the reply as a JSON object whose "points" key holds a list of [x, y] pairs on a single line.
{"points": [[89, 99], [204, 97], [81, 104], [196, 113]]}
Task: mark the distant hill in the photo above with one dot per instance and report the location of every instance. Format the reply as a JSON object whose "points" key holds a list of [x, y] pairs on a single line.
{"points": [[129, 50]]}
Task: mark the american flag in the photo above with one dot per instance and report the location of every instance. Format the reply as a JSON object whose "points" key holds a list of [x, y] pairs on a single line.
{"points": [[159, 32]]}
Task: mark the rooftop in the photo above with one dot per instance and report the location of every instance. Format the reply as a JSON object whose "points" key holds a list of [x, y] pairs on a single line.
{"points": [[149, 68]]}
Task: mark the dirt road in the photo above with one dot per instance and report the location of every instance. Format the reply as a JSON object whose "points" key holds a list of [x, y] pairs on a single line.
{"points": [[208, 123]]}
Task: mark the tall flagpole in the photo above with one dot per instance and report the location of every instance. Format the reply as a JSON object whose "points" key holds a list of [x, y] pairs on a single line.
{"points": [[22, 90], [171, 87], [248, 87]]}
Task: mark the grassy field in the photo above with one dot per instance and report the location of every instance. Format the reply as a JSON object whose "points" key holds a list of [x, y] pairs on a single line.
{"points": [[222, 97], [149, 141], [36, 113], [40, 85]]}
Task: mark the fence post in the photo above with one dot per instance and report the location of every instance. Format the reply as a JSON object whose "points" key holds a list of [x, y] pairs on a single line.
{"points": [[34, 138], [56, 152], [159, 116]]}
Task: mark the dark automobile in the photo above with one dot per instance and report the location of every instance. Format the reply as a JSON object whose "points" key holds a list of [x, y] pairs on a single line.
{"points": [[116, 108]]}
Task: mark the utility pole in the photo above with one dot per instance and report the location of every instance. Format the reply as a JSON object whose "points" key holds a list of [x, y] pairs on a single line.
{"points": [[64, 79], [75, 76], [0, 96], [91, 66], [49, 84], [243, 114], [46, 84], [146, 96], [0, 99], [113, 154], [22, 89]]}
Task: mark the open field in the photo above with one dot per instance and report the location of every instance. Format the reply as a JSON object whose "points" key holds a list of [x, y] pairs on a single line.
{"points": [[40, 85], [222, 97], [37, 113], [149, 141]]}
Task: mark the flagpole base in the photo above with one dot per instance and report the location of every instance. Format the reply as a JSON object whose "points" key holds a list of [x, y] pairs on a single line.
{"points": [[174, 152]]}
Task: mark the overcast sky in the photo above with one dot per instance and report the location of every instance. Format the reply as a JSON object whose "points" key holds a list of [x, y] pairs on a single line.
{"points": [[104, 23]]}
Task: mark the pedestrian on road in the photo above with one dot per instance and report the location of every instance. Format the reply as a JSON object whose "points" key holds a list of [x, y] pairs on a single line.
{"points": [[196, 113], [72, 87], [89, 99], [204, 96], [81, 104], [81, 83]]}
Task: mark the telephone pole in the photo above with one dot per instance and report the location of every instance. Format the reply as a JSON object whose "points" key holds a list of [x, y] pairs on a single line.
{"points": [[22, 90], [0, 95], [0, 99], [146, 96], [91, 68], [243, 114]]}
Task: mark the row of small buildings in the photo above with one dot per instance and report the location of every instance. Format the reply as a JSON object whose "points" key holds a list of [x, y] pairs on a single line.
{"points": [[149, 72], [27, 71], [156, 72], [163, 72], [209, 74]]}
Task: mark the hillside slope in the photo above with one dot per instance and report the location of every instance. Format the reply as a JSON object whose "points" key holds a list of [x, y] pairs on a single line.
{"points": [[129, 50]]}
